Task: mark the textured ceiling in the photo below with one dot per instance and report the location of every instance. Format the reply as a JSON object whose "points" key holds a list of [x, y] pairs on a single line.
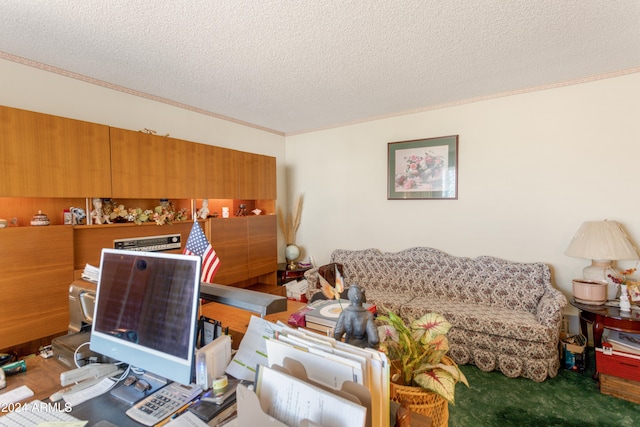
{"points": [[298, 65]]}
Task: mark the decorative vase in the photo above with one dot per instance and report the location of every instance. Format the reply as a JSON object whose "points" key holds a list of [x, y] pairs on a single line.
{"points": [[422, 402], [291, 253], [40, 219]]}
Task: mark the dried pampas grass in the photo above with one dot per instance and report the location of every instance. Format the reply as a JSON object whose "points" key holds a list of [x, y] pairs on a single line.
{"points": [[289, 223]]}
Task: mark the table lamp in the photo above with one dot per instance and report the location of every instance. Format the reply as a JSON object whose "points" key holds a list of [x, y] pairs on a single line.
{"points": [[602, 242]]}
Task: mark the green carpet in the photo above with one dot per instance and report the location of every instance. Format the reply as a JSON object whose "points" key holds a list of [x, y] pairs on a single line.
{"points": [[570, 399]]}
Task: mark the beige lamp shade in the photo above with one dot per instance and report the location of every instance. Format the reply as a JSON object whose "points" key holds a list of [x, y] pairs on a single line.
{"points": [[601, 242]]}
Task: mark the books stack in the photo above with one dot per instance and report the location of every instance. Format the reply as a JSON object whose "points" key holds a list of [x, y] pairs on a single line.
{"points": [[625, 342], [324, 314]]}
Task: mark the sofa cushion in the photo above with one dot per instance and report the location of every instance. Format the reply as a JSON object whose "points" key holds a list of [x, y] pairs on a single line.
{"points": [[386, 300], [375, 271], [509, 323], [515, 285]]}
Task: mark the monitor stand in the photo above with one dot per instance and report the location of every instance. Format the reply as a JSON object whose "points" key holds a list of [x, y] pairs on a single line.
{"points": [[130, 394]]}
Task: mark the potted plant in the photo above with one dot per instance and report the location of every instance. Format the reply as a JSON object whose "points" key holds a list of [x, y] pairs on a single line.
{"points": [[420, 365]]}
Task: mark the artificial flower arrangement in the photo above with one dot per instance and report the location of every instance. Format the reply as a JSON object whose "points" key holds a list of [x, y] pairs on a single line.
{"points": [[160, 214], [419, 352], [633, 286]]}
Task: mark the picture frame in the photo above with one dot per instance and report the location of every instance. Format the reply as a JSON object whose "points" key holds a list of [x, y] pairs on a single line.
{"points": [[423, 169]]}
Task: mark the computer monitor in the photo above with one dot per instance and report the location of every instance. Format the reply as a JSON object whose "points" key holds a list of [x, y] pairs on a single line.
{"points": [[146, 311]]}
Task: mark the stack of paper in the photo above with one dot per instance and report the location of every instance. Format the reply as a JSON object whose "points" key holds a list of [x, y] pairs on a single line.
{"points": [[90, 273], [253, 349], [325, 363], [338, 366], [291, 400]]}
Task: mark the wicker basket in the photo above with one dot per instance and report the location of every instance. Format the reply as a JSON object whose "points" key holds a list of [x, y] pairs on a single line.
{"points": [[422, 402]]}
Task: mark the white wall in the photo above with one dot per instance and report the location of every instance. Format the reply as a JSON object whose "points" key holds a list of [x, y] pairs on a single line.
{"points": [[532, 168]]}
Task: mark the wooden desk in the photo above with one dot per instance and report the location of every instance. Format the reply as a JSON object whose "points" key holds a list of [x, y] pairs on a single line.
{"points": [[238, 320], [42, 376]]}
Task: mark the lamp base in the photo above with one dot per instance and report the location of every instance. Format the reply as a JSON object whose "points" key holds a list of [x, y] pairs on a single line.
{"points": [[597, 271]]}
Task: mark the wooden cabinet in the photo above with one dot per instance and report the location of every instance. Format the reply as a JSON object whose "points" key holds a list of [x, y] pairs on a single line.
{"points": [[229, 238], [37, 268], [247, 249], [151, 166], [262, 244], [256, 176], [182, 179], [138, 165], [49, 156], [199, 171], [52, 163], [221, 173]]}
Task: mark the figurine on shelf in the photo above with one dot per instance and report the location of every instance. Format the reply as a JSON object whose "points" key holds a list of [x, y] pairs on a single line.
{"points": [[356, 323], [203, 213], [78, 215], [625, 304], [97, 214], [242, 210]]}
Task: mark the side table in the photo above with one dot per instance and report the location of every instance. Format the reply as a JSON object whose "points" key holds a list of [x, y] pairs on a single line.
{"points": [[604, 316], [285, 274]]}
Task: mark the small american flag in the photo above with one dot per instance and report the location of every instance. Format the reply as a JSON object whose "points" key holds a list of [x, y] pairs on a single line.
{"points": [[197, 244]]}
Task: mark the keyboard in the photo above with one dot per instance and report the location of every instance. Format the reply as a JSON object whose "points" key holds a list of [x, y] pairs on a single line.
{"points": [[34, 413], [163, 403]]}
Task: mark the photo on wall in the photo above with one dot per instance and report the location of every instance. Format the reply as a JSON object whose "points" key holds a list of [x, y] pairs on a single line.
{"points": [[423, 169]]}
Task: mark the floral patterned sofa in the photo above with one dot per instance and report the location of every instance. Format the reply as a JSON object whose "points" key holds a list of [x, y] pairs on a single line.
{"points": [[506, 315]]}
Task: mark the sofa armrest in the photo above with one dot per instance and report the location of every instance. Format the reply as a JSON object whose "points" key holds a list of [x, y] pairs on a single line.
{"points": [[550, 308]]}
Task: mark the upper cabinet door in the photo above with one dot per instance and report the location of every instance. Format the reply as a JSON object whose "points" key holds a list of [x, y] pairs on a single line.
{"points": [[50, 156], [151, 166], [181, 166], [220, 173], [256, 176], [138, 165]]}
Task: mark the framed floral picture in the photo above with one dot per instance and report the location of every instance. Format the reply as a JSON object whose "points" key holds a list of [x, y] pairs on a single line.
{"points": [[423, 169]]}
